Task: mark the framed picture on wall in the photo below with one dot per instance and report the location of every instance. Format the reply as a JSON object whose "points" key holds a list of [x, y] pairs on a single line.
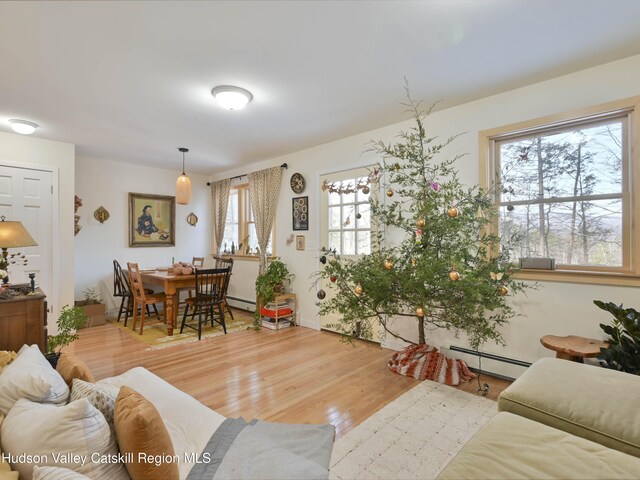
{"points": [[300, 213], [152, 220], [300, 244]]}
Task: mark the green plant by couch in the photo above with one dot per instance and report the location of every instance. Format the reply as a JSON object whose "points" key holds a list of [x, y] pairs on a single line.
{"points": [[70, 320], [623, 353], [266, 284]]}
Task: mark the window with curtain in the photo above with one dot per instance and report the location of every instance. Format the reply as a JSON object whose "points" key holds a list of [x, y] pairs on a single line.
{"points": [[240, 226]]}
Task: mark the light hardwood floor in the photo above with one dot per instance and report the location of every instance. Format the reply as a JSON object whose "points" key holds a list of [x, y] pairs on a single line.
{"points": [[296, 375]]}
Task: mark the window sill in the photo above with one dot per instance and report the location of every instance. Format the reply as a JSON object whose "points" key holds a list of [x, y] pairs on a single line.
{"points": [[250, 258], [575, 276]]}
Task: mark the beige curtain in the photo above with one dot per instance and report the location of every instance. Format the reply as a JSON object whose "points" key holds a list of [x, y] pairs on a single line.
{"points": [[264, 191], [220, 201]]}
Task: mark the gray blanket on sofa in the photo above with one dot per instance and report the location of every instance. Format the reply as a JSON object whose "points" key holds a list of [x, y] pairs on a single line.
{"points": [[263, 450]]}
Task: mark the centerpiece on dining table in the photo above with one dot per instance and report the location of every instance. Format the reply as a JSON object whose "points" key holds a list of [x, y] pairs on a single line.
{"points": [[181, 268]]}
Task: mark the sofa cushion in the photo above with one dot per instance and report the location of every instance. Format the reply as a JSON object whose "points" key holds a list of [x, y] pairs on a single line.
{"points": [[32, 377], [190, 423], [70, 367], [141, 432], [100, 397], [588, 401], [43, 431], [56, 473], [513, 447]]}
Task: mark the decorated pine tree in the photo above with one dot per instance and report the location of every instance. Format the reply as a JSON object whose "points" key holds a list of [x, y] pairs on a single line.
{"points": [[434, 259]]}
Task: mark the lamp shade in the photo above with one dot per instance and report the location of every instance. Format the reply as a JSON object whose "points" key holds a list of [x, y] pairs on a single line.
{"points": [[183, 190], [13, 234]]}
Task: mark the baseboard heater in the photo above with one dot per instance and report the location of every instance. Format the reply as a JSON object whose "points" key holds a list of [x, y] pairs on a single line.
{"points": [[490, 356], [236, 299]]}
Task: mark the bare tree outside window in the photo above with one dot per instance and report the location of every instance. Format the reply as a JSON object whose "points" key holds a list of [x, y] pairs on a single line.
{"points": [[563, 193]]}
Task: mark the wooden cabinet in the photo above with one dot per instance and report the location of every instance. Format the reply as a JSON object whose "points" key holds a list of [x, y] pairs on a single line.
{"points": [[23, 320]]}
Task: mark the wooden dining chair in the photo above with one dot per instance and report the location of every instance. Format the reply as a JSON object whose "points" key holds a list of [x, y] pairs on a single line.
{"points": [[141, 298], [209, 296], [222, 262], [122, 289]]}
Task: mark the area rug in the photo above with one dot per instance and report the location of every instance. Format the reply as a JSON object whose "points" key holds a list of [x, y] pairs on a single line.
{"points": [[413, 437], [155, 331]]}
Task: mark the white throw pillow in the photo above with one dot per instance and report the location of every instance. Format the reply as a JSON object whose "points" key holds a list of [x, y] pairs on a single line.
{"points": [[32, 377], [56, 473], [51, 435], [100, 397]]}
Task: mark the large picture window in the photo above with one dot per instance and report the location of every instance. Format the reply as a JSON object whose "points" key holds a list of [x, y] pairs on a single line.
{"points": [[564, 190]]}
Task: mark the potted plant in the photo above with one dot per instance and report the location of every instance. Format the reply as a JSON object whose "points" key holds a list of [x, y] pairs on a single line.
{"points": [[69, 321], [92, 307], [623, 352], [272, 281]]}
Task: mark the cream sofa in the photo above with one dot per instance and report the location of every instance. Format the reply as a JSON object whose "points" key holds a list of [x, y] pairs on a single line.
{"points": [[562, 420]]}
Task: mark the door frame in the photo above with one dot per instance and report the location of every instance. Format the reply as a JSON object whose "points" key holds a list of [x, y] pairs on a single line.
{"points": [[53, 297]]}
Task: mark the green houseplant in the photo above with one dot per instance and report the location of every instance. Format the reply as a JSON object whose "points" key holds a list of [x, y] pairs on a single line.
{"points": [[92, 307], [69, 321], [623, 352], [272, 281]]}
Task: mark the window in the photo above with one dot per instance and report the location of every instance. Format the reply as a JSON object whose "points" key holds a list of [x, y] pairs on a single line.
{"points": [[240, 225], [564, 187], [348, 216]]}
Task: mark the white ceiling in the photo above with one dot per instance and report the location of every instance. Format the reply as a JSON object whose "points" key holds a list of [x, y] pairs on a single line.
{"points": [[131, 81]]}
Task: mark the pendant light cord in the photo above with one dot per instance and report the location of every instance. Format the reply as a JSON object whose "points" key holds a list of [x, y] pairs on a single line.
{"points": [[183, 163]]}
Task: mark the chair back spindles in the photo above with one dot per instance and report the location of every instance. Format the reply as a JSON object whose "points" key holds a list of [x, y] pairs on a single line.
{"points": [[120, 281], [135, 280]]}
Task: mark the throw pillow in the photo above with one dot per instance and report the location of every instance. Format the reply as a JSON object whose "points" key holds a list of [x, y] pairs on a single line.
{"points": [[100, 397], [70, 367], [142, 433], [74, 436], [30, 376], [6, 358], [56, 473]]}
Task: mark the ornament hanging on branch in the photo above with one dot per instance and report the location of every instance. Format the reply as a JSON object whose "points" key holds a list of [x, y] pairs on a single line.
{"points": [[453, 212], [390, 192], [420, 312], [503, 291], [388, 264], [333, 278], [418, 236], [421, 222], [321, 294], [358, 290], [454, 275]]}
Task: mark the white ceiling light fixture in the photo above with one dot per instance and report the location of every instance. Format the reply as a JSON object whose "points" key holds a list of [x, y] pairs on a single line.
{"points": [[183, 185], [23, 127], [230, 97]]}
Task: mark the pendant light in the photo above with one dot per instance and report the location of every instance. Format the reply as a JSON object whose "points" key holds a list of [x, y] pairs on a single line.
{"points": [[183, 185]]}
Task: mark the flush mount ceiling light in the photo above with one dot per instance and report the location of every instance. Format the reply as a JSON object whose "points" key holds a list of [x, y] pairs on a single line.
{"points": [[183, 185], [230, 97], [23, 126]]}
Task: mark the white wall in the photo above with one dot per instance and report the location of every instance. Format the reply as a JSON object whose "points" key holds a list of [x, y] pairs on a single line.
{"points": [[108, 183], [555, 308], [58, 157]]}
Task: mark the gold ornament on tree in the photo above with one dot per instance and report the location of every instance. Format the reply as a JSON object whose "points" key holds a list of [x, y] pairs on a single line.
{"points": [[453, 212], [359, 290], [421, 222], [420, 312], [388, 264], [454, 275], [390, 193], [502, 290]]}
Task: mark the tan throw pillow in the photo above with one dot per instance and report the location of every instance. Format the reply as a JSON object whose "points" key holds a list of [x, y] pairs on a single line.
{"points": [[142, 433], [70, 367]]}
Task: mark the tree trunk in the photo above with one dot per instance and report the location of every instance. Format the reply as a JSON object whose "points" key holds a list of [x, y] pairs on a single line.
{"points": [[421, 338], [541, 215], [572, 240]]}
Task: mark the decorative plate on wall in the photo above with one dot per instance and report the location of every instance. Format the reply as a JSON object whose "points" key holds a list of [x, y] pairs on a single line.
{"points": [[297, 183]]}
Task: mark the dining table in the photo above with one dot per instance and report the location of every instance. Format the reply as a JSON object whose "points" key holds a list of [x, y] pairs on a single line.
{"points": [[171, 284]]}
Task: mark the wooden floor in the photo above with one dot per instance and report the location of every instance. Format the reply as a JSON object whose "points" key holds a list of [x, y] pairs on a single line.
{"points": [[296, 375]]}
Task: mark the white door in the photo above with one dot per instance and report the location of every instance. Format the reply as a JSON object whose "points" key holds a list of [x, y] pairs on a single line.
{"points": [[26, 196], [345, 224]]}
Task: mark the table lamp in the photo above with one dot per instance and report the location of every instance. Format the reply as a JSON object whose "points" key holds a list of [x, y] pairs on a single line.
{"points": [[12, 235]]}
